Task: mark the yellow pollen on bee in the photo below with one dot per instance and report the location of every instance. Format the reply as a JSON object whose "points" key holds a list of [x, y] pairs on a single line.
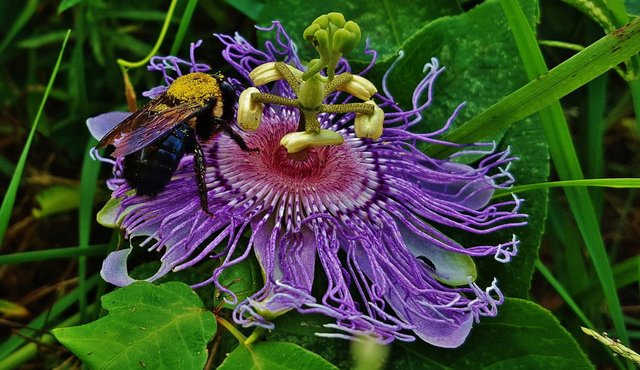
{"points": [[195, 88], [160, 108]]}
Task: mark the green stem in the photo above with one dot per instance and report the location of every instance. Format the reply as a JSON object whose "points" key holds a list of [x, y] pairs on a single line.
{"points": [[348, 108], [288, 76], [275, 99], [257, 333], [165, 26], [232, 329]]}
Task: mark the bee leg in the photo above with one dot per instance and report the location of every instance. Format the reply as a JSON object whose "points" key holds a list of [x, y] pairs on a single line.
{"points": [[200, 169], [238, 139]]}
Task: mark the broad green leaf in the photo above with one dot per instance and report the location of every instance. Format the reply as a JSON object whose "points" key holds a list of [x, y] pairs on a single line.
{"points": [[482, 66], [596, 10], [527, 142], [273, 356], [56, 199], [387, 24], [148, 326], [250, 8], [480, 57], [243, 279], [546, 89], [294, 327], [633, 7], [522, 336]]}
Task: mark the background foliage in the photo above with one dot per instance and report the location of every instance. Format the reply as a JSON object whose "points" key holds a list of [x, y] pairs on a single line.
{"points": [[52, 247]]}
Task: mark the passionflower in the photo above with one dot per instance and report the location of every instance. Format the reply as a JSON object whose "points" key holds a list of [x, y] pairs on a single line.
{"points": [[365, 214]]}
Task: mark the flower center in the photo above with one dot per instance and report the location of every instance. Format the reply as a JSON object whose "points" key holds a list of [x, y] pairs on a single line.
{"points": [[318, 172]]}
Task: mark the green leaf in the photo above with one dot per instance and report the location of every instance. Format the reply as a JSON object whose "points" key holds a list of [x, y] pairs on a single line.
{"points": [[250, 8], [563, 153], [479, 54], [54, 253], [243, 279], [20, 22], [633, 7], [56, 199], [527, 142], [481, 60], [273, 356], [294, 327], [387, 24], [596, 10], [157, 327], [588, 64], [522, 336], [41, 40]]}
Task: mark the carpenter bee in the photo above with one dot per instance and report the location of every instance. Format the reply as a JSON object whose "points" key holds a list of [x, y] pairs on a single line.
{"points": [[154, 139]]}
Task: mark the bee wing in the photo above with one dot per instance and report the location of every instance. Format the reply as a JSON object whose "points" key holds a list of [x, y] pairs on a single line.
{"points": [[146, 125]]}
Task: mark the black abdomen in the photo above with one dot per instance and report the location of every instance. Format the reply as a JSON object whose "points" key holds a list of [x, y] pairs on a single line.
{"points": [[150, 169]]}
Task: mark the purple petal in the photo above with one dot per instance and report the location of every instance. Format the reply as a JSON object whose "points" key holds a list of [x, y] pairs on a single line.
{"points": [[473, 193], [102, 124], [448, 267], [288, 260], [114, 269], [448, 331]]}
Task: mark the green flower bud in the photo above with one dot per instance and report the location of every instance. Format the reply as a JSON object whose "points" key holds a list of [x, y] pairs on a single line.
{"points": [[332, 36], [345, 39]]}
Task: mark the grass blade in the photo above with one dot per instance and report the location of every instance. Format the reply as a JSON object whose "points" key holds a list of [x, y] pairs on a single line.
{"points": [[546, 89], [618, 183], [566, 162], [10, 197], [47, 254], [184, 25]]}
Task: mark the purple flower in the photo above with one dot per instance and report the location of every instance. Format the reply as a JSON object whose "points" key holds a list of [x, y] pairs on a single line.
{"points": [[365, 214]]}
